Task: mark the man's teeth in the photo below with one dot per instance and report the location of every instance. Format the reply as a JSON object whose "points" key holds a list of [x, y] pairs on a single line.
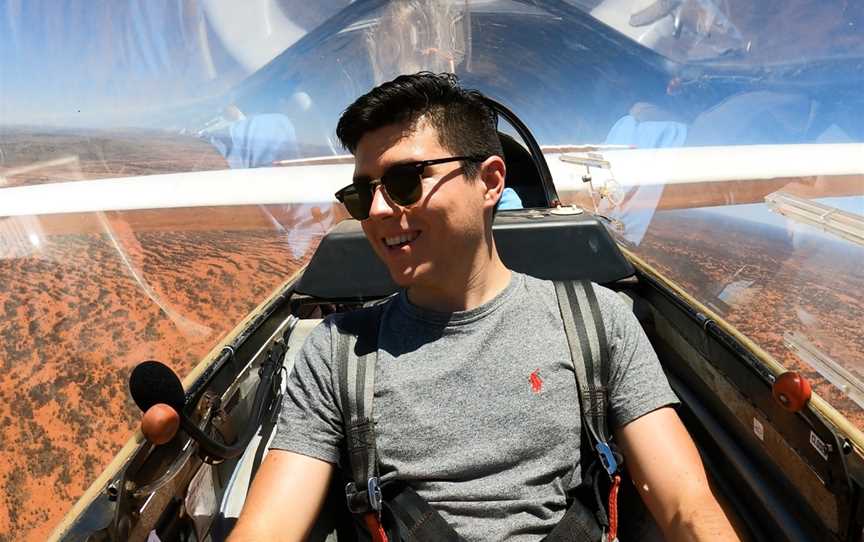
{"points": [[399, 239]]}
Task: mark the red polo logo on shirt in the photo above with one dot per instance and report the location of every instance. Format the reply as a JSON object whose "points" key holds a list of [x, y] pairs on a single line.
{"points": [[536, 381]]}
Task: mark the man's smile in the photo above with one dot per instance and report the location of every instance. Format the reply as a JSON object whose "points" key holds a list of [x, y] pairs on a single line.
{"points": [[396, 242]]}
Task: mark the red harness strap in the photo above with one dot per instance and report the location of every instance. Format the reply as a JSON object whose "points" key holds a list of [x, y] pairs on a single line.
{"points": [[613, 508], [373, 525]]}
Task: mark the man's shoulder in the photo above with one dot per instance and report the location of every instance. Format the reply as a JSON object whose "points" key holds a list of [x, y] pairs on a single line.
{"points": [[605, 296], [320, 347], [610, 299], [354, 322], [359, 321], [536, 286], [614, 306]]}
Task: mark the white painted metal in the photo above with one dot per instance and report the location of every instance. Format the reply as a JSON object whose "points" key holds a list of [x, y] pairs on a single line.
{"points": [[709, 164], [311, 182], [261, 186]]}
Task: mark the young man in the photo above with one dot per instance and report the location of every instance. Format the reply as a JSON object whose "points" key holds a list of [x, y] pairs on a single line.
{"points": [[457, 415]]}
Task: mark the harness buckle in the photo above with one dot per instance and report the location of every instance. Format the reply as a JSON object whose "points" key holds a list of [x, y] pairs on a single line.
{"points": [[360, 501], [607, 458], [373, 489]]}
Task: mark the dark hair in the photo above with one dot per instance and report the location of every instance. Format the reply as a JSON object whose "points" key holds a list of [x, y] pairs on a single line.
{"points": [[465, 124]]}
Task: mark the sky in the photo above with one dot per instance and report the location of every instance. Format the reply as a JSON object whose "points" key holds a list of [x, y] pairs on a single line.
{"points": [[69, 62]]}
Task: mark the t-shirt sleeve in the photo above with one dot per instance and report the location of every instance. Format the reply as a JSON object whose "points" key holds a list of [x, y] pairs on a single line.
{"points": [[637, 382], [310, 422]]}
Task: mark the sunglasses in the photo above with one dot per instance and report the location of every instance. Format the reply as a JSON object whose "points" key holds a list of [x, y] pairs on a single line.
{"points": [[401, 183]]}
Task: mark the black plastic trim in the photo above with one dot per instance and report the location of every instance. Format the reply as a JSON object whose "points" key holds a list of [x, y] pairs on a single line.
{"points": [[753, 380], [774, 514], [537, 243], [533, 148]]}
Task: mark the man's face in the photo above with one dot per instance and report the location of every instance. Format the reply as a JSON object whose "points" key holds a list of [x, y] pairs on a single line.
{"points": [[440, 234]]}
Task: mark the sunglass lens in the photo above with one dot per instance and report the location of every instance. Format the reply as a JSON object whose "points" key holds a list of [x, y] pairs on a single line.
{"points": [[403, 184], [357, 201]]}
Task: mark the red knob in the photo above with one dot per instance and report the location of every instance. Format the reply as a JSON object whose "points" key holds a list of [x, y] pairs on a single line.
{"points": [[160, 423], [792, 391]]}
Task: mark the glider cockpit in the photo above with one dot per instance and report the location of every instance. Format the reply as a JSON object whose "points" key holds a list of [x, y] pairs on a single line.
{"points": [[168, 204]]}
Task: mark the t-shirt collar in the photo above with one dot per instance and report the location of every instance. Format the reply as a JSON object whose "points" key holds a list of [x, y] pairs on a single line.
{"points": [[404, 305]]}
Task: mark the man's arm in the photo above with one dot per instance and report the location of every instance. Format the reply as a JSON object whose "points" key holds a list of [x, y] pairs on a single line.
{"points": [[668, 473], [285, 498]]}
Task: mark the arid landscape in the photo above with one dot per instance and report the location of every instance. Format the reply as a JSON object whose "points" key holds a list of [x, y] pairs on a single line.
{"points": [[99, 294], [39, 156], [769, 288]]}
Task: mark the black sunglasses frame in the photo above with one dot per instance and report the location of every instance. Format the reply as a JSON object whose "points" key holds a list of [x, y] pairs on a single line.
{"points": [[359, 203]]}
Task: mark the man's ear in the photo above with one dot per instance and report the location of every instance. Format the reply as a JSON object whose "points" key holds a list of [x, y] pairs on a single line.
{"points": [[492, 173]]}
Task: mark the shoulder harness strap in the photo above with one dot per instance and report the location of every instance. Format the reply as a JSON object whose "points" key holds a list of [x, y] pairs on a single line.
{"points": [[589, 352], [356, 357]]}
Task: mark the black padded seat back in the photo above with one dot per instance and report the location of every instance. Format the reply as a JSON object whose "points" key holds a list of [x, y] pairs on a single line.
{"points": [[535, 242], [522, 175]]}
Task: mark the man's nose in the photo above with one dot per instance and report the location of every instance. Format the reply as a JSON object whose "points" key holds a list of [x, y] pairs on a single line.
{"points": [[381, 205]]}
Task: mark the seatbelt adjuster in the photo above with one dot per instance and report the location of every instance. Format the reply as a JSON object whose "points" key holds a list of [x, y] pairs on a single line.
{"points": [[360, 501], [373, 489], [607, 458]]}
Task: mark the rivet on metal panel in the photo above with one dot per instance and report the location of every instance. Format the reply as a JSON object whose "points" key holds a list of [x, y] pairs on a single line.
{"points": [[112, 491]]}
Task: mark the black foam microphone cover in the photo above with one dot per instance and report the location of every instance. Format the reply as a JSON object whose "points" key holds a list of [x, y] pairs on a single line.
{"points": [[153, 382]]}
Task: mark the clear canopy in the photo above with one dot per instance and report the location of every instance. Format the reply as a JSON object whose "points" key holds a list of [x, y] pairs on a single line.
{"points": [[151, 194]]}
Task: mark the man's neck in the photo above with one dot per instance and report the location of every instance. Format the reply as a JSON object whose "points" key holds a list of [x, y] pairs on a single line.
{"points": [[465, 291]]}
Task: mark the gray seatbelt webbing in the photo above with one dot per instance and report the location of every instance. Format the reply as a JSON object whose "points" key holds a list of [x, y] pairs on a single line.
{"points": [[356, 356], [356, 366], [602, 355], [586, 338]]}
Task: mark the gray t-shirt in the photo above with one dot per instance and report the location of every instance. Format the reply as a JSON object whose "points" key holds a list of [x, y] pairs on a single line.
{"points": [[476, 410]]}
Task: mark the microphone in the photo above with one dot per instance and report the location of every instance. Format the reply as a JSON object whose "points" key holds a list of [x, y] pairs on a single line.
{"points": [[152, 382], [158, 392]]}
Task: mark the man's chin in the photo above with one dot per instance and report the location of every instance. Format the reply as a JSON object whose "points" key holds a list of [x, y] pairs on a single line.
{"points": [[405, 277], [402, 280]]}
